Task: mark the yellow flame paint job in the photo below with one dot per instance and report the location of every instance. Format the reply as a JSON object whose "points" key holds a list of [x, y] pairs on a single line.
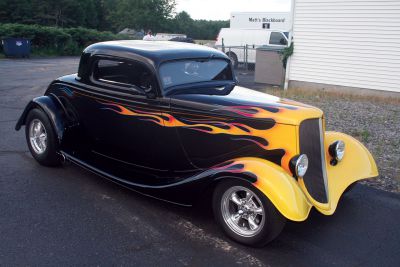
{"points": [[283, 190], [280, 188], [357, 164], [280, 136], [292, 199], [289, 196]]}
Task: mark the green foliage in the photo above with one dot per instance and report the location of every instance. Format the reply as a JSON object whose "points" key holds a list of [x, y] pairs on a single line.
{"points": [[56, 41], [140, 14], [197, 29], [109, 15], [286, 53]]}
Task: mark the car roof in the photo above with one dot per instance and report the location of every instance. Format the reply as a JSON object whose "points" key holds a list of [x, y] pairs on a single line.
{"points": [[156, 51]]}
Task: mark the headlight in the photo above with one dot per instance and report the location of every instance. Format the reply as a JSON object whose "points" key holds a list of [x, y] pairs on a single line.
{"points": [[336, 150], [299, 165]]}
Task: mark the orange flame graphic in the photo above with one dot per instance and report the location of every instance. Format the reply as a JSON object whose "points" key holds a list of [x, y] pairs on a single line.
{"points": [[280, 136]]}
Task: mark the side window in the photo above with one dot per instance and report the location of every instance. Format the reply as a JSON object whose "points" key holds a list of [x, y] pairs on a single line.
{"points": [[122, 73], [277, 38]]}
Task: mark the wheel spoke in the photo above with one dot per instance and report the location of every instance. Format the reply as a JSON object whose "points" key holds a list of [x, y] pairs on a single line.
{"points": [[248, 196], [235, 199], [40, 143], [35, 129], [252, 223], [39, 128], [258, 211], [43, 138], [236, 217]]}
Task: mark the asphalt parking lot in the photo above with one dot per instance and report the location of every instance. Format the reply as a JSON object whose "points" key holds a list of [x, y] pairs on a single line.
{"points": [[68, 216]]}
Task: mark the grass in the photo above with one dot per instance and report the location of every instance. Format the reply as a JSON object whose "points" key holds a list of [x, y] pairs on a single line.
{"points": [[302, 93], [364, 135]]}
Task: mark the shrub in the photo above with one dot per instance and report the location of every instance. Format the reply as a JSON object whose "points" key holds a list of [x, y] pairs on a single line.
{"points": [[58, 41]]}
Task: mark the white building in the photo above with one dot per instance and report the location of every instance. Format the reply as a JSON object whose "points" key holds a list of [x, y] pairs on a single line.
{"points": [[349, 43]]}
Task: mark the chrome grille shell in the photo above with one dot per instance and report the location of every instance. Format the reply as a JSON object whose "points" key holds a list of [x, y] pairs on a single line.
{"points": [[312, 144]]}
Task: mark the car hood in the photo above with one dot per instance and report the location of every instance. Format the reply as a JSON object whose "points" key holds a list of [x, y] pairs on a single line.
{"points": [[248, 103]]}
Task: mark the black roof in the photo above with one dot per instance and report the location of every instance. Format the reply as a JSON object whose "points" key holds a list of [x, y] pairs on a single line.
{"points": [[155, 51]]}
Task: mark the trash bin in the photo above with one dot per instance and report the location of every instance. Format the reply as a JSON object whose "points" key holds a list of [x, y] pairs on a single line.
{"points": [[269, 66], [16, 47]]}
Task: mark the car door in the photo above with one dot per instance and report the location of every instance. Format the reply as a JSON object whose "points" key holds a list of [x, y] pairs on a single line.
{"points": [[119, 109]]}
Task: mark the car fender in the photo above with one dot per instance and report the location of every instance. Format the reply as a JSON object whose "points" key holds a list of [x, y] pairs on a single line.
{"points": [[275, 183], [357, 164], [53, 109]]}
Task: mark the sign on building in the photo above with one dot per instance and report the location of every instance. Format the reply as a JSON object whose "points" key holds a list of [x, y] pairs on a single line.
{"points": [[280, 21]]}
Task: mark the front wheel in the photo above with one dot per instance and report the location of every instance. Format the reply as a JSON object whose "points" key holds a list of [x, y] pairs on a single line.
{"points": [[41, 138], [245, 214]]}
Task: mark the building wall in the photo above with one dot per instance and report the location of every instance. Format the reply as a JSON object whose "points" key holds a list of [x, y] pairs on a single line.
{"points": [[354, 43]]}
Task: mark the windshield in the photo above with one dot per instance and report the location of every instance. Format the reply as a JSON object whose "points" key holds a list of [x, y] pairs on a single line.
{"points": [[182, 72]]}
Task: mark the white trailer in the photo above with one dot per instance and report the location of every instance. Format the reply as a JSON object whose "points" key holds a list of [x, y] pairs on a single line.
{"points": [[240, 44], [279, 21]]}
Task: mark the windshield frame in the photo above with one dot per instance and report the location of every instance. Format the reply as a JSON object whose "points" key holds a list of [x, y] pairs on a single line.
{"points": [[163, 88]]}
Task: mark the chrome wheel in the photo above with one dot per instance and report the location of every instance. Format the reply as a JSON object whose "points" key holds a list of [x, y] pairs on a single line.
{"points": [[37, 136], [242, 211]]}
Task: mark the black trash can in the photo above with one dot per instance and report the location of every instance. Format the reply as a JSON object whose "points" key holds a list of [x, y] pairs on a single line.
{"points": [[16, 47]]}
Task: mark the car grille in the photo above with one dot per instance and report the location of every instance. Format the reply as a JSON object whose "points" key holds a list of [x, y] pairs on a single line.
{"points": [[311, 144]]}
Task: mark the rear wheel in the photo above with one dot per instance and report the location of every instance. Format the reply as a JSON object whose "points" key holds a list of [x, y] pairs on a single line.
{"points": [[245, 214], [41, 138]]}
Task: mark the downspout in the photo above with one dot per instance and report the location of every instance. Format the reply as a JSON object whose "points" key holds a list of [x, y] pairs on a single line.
{"points": [[288, 63]]}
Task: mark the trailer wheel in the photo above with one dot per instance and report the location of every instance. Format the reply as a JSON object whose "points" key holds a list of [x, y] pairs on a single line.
{"points": [[232, 56]]}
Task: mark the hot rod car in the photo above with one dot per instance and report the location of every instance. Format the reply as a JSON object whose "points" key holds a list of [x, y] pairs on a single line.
{"points": [[169, 120]]}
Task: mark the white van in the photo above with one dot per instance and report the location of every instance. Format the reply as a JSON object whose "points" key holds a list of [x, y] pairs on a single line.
{"points": [[234, 41]]}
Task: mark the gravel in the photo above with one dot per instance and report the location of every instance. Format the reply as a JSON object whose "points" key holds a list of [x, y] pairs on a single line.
{"points": [[373, 120], [375, 123]]}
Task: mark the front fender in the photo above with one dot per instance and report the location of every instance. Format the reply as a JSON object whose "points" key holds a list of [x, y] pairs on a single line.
{"points": [[280, 188], [357, 164], [53, 110]]}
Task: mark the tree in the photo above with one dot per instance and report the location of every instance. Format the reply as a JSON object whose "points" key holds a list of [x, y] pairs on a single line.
{"points": [[141, 14], [197, 29], [107, 15]]}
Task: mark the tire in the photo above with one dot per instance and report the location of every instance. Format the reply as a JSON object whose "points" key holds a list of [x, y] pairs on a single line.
{"points": [[349, 188], [267, 223], [234, 59], [44, 145]]}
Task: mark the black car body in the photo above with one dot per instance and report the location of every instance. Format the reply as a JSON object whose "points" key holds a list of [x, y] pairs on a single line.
{"points": [[168, 120]]}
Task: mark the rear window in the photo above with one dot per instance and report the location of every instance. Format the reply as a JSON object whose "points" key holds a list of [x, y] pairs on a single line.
{"points": [[277, 38]]}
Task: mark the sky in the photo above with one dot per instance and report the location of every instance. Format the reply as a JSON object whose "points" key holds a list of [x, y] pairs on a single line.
{"points": [[221, 9]]}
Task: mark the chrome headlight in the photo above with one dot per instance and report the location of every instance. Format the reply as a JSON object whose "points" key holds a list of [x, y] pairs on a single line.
{"points": [[299, 165], [336, 150]]}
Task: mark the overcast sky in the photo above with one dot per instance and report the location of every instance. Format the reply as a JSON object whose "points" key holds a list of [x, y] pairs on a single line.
{"points": [[221, 9]]}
